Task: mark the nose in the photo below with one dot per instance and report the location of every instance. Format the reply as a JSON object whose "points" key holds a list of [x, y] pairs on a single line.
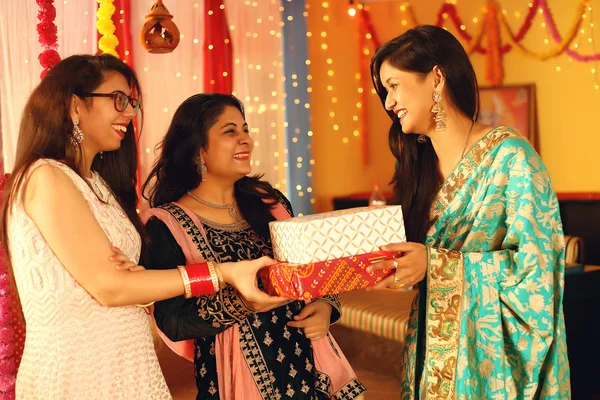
{"points": [[246, 139], [129, 111], [390, 102]]}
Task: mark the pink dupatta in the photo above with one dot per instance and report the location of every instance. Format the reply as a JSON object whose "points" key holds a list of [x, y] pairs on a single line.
{"points": [[235, 379]]}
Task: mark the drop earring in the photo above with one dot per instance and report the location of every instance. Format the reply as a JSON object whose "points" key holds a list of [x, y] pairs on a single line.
{"points": [[202, 170], [77, 135], [438, 110]]}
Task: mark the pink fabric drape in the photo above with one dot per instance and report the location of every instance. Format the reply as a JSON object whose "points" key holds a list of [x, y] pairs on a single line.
{"points": [[234, 377]]}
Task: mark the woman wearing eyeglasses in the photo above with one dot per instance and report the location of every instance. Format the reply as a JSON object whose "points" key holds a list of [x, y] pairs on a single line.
{"points": [[70, 201]]}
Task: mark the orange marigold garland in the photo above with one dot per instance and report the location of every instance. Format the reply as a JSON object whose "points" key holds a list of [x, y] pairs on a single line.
{"points": [[495, 72]]}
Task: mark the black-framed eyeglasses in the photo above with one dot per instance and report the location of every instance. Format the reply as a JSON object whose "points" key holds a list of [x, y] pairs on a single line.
{"points": [[121, 100]]}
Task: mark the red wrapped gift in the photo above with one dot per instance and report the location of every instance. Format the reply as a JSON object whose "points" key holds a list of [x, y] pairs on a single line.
{"points": [[305, 281]]}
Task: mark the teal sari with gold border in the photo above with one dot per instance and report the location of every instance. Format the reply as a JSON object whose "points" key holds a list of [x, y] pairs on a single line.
{"points": [[490, 311]]}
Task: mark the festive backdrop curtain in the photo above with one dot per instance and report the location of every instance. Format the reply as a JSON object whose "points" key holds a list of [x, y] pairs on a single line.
{"points": [[256, 34], [167, 79], [19, 50]]}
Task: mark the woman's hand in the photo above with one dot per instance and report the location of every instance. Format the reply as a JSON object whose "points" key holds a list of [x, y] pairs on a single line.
{"points": [[411, 267], [123, 261], [242, 276], [314, 319]]}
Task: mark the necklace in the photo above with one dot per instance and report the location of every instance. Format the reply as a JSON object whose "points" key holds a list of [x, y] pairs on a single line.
{"points": [[467, 142], [232, 209]]}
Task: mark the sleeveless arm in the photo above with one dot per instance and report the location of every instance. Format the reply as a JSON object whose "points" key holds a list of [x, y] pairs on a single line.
{"points": [[70, 229]]}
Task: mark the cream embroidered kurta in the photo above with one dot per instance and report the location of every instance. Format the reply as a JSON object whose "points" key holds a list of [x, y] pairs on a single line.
{"points": [[76, 348]]}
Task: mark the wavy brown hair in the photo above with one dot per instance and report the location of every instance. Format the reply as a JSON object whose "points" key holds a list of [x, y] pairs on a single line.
{"points": [[417, 177], [46, 126], [175, 172]]}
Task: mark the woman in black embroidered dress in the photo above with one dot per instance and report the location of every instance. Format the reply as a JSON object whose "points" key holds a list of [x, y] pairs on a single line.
{"points": [[201, 191]]}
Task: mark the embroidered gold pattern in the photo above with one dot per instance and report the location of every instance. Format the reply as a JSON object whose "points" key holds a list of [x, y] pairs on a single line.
{"points": [[351, 390], [280, 355], [293, 371], [223, 309], [445, 287], [268, 339], [255, 361], [467, 167]]}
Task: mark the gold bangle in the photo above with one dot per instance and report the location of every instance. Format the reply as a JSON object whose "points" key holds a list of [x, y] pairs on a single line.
{"points": [[213, 275], [186, 282], [222, 282]]}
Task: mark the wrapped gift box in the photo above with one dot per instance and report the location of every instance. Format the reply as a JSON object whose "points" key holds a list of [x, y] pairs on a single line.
{"points": [[337, 234], [305, 281]]}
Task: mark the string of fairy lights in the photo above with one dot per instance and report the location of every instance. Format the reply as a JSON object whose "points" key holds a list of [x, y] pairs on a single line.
{"points": [[270, 107]]}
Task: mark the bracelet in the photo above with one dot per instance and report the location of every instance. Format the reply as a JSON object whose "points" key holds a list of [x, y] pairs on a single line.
{"points": [[201, 279], [222, 283], [213, 275], [186, 282]]}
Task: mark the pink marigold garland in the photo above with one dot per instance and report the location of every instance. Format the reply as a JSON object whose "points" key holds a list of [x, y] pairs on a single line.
{"points": [[11, 327], [48, 35]]}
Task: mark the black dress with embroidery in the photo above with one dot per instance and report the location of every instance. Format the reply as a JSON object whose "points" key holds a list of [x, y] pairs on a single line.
{"points": [[280, 358]]}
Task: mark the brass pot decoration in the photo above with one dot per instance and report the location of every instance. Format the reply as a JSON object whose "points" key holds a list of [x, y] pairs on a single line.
{"points": [[159, 34]]}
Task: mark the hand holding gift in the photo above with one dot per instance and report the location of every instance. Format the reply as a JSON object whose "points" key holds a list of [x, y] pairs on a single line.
{"points": [[409, 267], [314, 319], [328, 253]]}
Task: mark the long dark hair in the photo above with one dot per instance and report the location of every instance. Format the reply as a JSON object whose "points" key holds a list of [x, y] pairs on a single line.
{"points": [[417, 177], [46, 127], [176, 170]]}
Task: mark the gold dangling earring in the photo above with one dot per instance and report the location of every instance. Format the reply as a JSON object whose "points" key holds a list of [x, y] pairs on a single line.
{"points": [[202, 169], [438, 110]]}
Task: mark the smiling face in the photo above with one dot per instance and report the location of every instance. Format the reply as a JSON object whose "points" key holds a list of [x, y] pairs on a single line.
{"points": [[409, 96], [103, 126], [229, 148]]}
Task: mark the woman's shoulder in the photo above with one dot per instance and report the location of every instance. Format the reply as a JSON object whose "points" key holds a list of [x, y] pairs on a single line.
{"points": [[504, 140], [161, 212], [509, 146], [506, 136], [49, 166], [53, 175]]}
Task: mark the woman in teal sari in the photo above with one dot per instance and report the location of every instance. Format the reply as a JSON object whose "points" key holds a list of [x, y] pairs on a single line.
{"points": [[486, 246]]}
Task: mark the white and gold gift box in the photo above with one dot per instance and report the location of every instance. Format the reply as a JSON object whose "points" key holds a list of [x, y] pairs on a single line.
{"points": [[336, 234]]}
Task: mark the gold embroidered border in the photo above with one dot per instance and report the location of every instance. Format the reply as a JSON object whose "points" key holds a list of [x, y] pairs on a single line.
{"points": [[465, 170], [224, 308], [351, 390], [409, 354], [190, 229], [255, 361], [445, 281]]}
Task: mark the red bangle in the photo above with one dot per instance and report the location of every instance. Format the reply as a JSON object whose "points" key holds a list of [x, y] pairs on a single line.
{"points": [[201, 280]]}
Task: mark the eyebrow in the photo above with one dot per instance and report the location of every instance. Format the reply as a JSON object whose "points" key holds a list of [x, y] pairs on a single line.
{"points": [[232, 123]]}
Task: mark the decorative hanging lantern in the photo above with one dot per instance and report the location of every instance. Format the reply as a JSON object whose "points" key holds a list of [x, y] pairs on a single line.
{"points": [[159, 34]]}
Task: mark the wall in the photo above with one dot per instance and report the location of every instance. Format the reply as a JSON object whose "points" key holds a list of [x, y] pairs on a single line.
{"points": [[568, 104]]}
